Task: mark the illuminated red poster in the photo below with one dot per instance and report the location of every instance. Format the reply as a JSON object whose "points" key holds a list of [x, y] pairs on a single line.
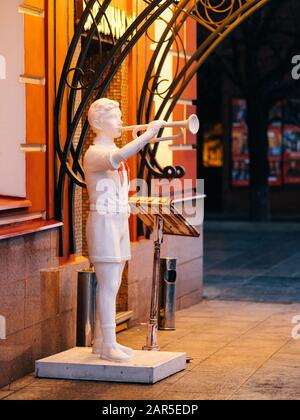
{"points": [[239, 111], [240, 172], [275, 154], [239, 140], [292, 140], [275, 140], [292, 154], [240, 152], [240, 156], [292, 171], [275, 171]]}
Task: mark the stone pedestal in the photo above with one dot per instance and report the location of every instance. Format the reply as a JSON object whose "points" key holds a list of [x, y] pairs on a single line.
{"points": [[81, 364]]}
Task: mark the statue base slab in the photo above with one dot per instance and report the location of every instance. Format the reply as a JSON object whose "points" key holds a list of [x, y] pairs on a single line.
{"points": [[146, 367]]}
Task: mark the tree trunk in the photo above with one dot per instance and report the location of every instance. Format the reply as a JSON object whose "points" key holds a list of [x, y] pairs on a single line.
{"points": [[259, 164]]}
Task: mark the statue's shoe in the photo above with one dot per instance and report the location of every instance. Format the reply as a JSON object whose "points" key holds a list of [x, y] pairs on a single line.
{"points": [[125, 350], [112, 353], [97, 349]]}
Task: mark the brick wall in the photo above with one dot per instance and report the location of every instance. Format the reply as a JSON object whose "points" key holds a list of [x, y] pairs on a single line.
{"points": [[38, 300]]}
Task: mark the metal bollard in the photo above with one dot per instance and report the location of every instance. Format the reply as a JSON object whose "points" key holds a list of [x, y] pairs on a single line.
{"points": [[86, 307], [167, 299]]}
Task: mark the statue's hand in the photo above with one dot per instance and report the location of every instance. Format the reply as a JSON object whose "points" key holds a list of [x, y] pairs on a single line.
{"points": [[155, 127]]}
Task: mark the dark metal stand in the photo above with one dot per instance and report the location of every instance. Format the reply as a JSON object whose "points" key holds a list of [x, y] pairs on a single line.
{"points": [[153, 322]]}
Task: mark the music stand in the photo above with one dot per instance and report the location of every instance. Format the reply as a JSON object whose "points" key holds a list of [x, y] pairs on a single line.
{"points": [[162, 218]]}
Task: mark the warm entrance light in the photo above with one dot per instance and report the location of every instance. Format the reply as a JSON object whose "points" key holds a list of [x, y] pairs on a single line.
{"points": [[115, 22]]}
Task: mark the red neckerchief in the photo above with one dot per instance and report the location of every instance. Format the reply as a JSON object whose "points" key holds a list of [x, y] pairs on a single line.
{"points": [[122, 169]]}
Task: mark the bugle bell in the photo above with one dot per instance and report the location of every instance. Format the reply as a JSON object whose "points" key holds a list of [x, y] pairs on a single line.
{"points": [[192, 124]]}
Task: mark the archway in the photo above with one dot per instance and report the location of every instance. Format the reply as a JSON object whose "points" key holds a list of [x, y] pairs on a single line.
{"points": [[218, 18]]}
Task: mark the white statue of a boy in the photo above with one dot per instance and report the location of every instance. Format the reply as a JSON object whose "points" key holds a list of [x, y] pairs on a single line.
{"points": [[107, 227]]}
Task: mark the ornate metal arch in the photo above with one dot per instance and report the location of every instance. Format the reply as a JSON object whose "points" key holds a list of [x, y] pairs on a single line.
{"points": [[217, 17]]}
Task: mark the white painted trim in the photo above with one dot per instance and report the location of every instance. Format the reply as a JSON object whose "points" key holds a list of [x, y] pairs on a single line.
{"points": [[21, 218], [32, 80], [187, 102], [33, 148], [31, 10]]}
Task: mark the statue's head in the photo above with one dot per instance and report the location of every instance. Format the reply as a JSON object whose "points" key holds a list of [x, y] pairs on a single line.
{"points": [[105, 117]]}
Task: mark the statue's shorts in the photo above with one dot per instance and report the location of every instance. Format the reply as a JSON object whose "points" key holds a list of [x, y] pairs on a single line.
{"points": [[108, 237]]}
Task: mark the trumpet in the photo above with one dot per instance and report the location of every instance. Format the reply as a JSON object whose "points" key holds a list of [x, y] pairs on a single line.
{"points": [[192, 124]]}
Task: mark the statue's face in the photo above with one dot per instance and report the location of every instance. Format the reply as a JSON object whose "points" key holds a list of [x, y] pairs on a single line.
{"points": [[112, 124]]}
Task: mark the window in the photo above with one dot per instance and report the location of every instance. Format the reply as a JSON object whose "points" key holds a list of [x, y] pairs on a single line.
{"points": [[12, 101]]}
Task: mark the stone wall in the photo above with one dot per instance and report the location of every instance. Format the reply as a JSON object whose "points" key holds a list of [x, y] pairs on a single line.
{"points": [[189, 254], [38, 300]]}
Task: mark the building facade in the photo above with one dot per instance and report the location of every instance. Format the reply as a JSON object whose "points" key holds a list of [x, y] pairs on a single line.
{"points": [[38, 289]]}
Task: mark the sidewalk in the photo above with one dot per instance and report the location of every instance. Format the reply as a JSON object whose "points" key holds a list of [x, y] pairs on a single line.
{"points": [[240, 351], [254, 263]]}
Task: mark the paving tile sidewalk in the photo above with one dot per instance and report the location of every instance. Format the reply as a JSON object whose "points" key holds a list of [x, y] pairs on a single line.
{"points": [[240, 350], [255, 266]]}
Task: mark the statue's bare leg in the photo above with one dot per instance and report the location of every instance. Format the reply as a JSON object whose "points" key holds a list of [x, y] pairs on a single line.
{"points": [[109, 277], [125, 349]]}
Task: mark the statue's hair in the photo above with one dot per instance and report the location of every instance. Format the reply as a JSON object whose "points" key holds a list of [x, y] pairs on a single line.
{"points": [[98, 111]]}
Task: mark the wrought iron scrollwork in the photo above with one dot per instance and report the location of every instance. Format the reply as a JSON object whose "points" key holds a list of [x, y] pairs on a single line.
{"points": [[218, 17], [212, 14], [67, 154]]}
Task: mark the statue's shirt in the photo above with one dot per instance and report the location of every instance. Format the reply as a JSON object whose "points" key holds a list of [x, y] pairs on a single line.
{"points": [[107, 183]]}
